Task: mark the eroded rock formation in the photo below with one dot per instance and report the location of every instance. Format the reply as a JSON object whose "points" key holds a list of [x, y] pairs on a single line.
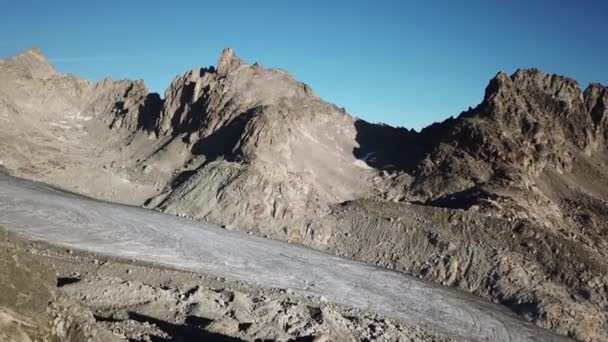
{"points": [[519, 180]]}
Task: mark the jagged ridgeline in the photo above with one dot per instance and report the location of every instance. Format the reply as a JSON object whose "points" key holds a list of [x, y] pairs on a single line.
{"points": [[237, 144], [508, 200]]}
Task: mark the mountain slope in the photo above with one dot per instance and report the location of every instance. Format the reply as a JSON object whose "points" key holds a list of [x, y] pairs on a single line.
{"points": [[238, 145], [513, 197], [507, 200], [128, 232], [265, 150]]}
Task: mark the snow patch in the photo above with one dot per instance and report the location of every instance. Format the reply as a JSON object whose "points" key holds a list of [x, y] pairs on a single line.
{"points": [[78, 116], [362, 162], [308, 135], [59, 125]]}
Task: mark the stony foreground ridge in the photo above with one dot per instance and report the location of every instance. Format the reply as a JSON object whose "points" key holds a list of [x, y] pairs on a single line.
{"points": [[59, 295], [507, 201]]}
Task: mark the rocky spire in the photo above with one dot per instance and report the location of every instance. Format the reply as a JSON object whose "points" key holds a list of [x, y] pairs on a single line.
{"points": [[228, 62]]}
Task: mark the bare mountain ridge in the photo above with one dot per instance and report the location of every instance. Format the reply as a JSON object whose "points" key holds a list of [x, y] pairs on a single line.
{"points": [[506, 201], [268, 145], [528, 124], [525, 122]]}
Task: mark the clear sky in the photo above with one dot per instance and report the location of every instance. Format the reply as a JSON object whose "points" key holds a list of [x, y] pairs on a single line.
{"points": [[406, 63]]}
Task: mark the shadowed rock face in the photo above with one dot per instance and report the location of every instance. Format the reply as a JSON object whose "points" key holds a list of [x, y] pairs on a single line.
{"points": [[253, 149], [124, 105]]}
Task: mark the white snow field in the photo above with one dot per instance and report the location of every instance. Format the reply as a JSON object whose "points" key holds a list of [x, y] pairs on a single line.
{"points": [[40, 212]]}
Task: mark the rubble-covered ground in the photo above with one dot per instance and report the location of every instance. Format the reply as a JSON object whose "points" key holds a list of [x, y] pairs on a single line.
{"points": [[57, 294]]}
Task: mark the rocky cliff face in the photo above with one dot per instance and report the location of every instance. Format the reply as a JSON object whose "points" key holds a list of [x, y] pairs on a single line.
{"points": [[124, 104], [250, 147], [527, 124], [596, 101], [507, 200], [264, 149], [236, 144]]}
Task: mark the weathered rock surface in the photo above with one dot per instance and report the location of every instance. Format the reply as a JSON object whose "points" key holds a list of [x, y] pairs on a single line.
{"points": [[96, 298], [254, 149], [265, 151], [31, 308]]}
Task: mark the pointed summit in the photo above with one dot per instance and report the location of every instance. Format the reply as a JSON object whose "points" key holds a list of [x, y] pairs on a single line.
{"points": [[33, 54], [34, 51], [31, 62], [228, 62]]}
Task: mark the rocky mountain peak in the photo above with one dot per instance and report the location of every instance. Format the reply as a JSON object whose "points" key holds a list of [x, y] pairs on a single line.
{"points": [[534, 82], [533, 103], [228, 62], [254, 149], [34, 52], [528, 122], [30, 63]]}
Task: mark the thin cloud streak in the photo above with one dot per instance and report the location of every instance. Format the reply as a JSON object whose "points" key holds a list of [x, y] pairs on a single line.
{"points": [[92, 59]]}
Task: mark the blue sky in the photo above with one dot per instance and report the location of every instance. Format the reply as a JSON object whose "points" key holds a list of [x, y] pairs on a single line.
{"points": [[406, 63]]}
